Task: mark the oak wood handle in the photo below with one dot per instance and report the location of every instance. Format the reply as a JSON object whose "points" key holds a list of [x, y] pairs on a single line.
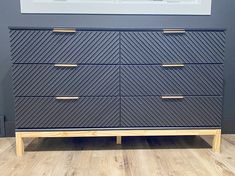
{"points": [[64, 30], [174, 31], [172, 97], [66, 98], [66, 65], [172, 65]]}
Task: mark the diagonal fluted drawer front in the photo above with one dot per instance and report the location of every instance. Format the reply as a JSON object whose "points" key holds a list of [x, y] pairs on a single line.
{"points": [[48, 80], [206, 79], [157, 112], [157, 47], [42, 112], [117, 79], [46, 46]]}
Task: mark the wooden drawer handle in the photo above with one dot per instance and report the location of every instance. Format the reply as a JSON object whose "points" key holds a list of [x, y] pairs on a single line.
{"points": [[172, 65], [66, 98], [172, 97], [64, 30], [174, 31], [66, 65]]}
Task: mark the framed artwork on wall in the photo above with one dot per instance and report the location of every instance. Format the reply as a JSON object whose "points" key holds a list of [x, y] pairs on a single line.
{"points": [[164, 7]]}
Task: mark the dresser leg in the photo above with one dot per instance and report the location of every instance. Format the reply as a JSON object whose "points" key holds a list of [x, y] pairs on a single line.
{"points": [[118, 140], [217, 141], [19, 145]]}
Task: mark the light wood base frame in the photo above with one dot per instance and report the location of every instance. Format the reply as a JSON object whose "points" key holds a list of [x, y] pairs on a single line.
{"points": [[216, 133], [119, 140]]}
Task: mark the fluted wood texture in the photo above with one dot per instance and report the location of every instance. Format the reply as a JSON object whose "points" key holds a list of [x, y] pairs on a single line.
{"points": [[119, 78], [156, 112], [47, 112], [45, 46], [47, 80], [156, 47], [193, 79]]}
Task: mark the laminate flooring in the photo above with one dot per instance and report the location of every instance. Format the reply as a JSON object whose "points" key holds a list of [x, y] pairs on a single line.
{"points": [[137, 156]]}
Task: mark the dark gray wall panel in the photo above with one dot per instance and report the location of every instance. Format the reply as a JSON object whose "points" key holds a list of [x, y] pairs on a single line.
{"points": [[157, 47], [47, 80], [44, 112], [2, 126], [155, 112], [201, 79], [228, 126], [45, 46]]}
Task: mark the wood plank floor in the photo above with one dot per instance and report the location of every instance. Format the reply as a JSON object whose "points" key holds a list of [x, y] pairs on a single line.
{"points": [[137, 156]]}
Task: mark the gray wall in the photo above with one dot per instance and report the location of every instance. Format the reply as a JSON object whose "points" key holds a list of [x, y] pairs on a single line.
{"points": [[222, 17]]}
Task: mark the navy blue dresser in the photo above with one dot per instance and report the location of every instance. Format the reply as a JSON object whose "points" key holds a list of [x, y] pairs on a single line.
{"points": [[87, 79]]}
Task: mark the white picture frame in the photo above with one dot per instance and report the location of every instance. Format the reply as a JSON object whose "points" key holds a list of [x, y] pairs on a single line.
{"points": [[162, 7]]}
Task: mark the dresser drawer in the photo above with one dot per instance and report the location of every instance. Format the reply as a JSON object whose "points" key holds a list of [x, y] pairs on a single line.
{"points": [[46, 46], [201, 79], [42, 112], [157, 112], [49, 80], [157, 47]]}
